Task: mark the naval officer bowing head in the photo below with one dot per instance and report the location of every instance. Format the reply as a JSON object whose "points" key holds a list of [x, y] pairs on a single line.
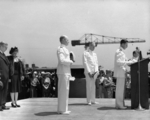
{"points": [[64, 74]]}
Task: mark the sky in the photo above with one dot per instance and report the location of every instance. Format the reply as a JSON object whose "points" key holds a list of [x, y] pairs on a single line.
{"points": [[34, 26]]}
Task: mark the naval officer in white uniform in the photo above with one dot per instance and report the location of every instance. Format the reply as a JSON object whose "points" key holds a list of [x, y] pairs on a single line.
{"points": [[120, 70], [63, 73], [90, 63]]}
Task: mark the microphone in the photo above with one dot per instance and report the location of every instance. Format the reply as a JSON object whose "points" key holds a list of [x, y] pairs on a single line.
{"points": [[139, 52]]}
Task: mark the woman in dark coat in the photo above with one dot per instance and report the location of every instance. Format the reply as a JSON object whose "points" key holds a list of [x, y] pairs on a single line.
{"points": [[16, 72]]}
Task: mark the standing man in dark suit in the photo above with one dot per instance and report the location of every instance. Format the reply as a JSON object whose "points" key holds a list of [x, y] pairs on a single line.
{"points": [[4, 71]]}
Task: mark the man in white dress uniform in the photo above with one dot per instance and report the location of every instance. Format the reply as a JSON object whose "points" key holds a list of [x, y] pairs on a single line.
{"points": [[90, 63], [120, 70], [63, 73]]}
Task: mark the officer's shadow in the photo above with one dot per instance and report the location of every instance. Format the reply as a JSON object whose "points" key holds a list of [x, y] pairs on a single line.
{"points": [[78, 104], [46, 113], [112, 108], [106, 108]]}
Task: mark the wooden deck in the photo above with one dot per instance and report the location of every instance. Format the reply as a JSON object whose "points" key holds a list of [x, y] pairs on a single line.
{"points": [[45, 109]]}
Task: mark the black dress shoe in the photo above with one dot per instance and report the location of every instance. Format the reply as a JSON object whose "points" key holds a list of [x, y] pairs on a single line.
{"points": [[5, 108], [17, 105], [13, 105]]}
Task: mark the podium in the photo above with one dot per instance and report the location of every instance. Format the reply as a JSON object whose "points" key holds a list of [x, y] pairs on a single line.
{"points": [[139, 84]]}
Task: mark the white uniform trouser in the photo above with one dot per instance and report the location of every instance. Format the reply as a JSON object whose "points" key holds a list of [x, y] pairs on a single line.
{"points": [[63, 93], [90, 89], [120, 92]]}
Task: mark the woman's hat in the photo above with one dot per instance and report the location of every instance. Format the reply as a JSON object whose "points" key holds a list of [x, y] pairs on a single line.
{"points": [[13, 49]]}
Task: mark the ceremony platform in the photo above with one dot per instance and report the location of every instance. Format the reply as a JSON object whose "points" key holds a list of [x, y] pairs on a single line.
{"points": [[45, 109]]}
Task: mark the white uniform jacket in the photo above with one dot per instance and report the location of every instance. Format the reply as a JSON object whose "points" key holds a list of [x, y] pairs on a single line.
{"points": [[120, 63], [63, 61]]}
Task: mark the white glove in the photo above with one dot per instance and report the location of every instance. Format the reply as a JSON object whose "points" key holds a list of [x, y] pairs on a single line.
{"points": [[72, 78]]}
